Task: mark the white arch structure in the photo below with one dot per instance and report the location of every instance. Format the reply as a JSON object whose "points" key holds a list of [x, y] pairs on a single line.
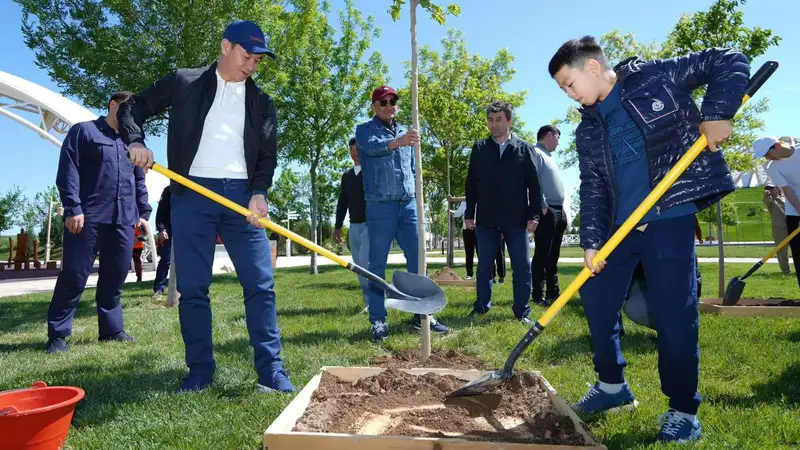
{"points": [[50, 115]]}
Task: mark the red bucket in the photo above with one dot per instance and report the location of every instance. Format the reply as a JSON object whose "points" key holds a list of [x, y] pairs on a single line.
{"points": [[37, 418]]}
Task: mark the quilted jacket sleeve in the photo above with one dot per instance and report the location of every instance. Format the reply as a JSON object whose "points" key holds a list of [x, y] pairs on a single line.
{"points": [[595, 211], [725, 71]]}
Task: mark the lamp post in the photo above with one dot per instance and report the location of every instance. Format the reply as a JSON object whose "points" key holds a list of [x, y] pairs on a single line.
{"points": [[291, 215], [60, 212]]}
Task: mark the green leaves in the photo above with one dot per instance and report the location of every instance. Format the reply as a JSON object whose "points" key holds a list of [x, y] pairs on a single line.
{"points": [[437, 13], [11, 203], [455, 87], [722, 25]]}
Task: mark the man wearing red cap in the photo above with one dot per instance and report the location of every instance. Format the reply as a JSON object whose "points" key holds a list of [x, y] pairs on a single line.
{"points": [[386, 152], [222, 135]]}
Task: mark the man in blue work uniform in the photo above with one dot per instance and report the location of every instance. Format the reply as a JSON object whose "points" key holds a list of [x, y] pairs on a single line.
{"points": [[103, 195], [222, 135], [164, 227]]}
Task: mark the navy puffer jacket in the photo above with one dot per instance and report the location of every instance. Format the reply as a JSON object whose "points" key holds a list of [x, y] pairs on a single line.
{"points": [[657, 96]]}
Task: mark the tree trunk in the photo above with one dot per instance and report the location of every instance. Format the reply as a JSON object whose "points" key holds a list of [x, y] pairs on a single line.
{"points": [[450, 228], [720, 242], [426, 331], [313, 266]]}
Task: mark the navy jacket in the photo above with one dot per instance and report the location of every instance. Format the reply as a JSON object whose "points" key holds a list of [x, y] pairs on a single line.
{"points": [[97, 179], [505, 189], [389, 175], [657, 96], [163, 216], [189, 94]]}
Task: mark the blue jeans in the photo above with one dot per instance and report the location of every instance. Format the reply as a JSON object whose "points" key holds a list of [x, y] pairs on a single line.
{"points": [[358, 238], [388, 221], [519, 251], [115, 245], [196, 221], [164, 261], [667, 254]]}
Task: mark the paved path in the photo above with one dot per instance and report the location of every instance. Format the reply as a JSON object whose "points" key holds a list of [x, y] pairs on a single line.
{"points": [[223, 264]]}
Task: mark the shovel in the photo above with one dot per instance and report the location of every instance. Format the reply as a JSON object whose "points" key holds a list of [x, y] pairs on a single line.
{"points": [[408, 292], [736, 286], [494, 379]]}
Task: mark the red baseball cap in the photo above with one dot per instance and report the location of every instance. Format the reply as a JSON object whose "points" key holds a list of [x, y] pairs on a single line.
{"points": [[383, 92]]}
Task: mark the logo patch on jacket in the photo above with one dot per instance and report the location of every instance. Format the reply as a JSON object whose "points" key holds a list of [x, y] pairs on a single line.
{"points": [[658, 105]]}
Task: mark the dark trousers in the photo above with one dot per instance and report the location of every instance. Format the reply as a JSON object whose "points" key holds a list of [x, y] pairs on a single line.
{"points": [[499, 267], [115, 245], [470, 245], [490, 241], [544, 265], [196, 222], [667, 254], [137, 262], [792, 222], [164, 261]]}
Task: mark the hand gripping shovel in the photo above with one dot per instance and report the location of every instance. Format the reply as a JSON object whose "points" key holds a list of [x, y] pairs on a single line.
{"points": [[408, 292], [494, 379], [736, 286]]}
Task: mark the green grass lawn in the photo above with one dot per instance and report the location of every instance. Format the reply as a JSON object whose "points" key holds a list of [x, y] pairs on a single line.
{"points": [[750, 367]]}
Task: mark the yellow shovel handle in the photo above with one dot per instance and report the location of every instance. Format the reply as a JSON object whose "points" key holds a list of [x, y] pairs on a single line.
{"points": [[246, 212], [780, 246]]}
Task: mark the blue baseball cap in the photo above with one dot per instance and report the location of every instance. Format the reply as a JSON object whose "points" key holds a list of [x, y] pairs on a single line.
{"points": [[249, 36]]}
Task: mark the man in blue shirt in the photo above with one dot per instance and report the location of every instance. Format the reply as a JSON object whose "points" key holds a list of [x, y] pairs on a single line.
{"points": [[103, 195], [386, 152]]}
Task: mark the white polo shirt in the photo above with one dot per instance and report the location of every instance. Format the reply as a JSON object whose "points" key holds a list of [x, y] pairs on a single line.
{"points": [[786, 172], [221, 150]]}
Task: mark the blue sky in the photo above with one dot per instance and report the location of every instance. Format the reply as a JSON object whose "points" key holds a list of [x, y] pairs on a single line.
{"points": [[531, 30]]}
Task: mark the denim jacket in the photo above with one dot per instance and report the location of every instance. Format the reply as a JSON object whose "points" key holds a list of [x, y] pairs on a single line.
{"points": [[388, 174]]}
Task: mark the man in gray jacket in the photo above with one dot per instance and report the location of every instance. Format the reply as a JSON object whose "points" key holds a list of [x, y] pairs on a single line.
{"points": [[549, 233]]}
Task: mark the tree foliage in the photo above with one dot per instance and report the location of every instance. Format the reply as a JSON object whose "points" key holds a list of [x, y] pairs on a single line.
{"points": [[722, 25], [455, 87], [437, 12], [11, 204], [327, 89]]}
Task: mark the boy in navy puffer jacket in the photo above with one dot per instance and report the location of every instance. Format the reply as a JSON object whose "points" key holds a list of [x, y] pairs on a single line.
{"points": [[638, 119]]}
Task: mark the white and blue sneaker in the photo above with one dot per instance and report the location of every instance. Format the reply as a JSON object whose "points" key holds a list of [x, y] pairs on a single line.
{"points": [[597, 400], [678, 427]]}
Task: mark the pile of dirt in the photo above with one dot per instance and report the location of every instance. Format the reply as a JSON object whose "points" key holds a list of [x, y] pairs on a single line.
{"points": [[445, 274], [394, 403], [449, 359]]}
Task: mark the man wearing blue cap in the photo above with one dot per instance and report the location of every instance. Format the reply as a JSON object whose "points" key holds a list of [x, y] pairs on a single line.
{"points": [[222, 135]]}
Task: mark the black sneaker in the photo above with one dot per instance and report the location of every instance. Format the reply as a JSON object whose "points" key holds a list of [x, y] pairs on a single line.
{"points": [[474, 314], [121, 337], [526, 320], [436, 326], [57, 345], [380, 331], [540, 301]]}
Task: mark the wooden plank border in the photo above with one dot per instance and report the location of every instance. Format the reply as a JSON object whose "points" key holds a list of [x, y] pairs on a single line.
{"points": [[279, 435]]}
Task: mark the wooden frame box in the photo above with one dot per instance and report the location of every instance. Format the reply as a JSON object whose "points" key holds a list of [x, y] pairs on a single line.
{"points": [[745, 307], [279, 435]]}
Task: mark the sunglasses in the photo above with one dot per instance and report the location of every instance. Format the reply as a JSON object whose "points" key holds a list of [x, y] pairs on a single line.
{"points": [[392, 102]]}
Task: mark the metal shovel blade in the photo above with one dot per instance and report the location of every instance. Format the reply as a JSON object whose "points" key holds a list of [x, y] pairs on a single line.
{"points": [[415, 294], [483, 384], [733, 292]]}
